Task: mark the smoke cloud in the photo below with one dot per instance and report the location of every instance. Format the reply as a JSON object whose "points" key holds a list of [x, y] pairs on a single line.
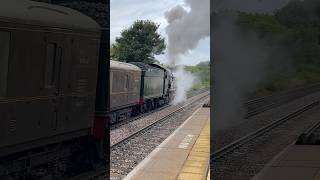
{"points": [[176, 13], [186, 28]]}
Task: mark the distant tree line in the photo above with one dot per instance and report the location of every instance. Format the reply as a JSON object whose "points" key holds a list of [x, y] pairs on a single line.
{"points": [[202, 73], [295, 28]]}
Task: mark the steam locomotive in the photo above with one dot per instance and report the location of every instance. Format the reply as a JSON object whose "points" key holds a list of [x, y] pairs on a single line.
{"points": [[138, 88], [55, 91]]}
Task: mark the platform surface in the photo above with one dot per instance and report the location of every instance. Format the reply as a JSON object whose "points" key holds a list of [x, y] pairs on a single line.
{"points": [[296, 162], [183, 155]]}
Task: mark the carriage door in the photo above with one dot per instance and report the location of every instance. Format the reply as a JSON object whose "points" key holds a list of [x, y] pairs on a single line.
{"points": [[52, 77]]}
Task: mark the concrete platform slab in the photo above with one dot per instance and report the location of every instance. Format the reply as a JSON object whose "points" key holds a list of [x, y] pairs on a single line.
{"points": [[290, 173], [183, 155], [296, 162]]}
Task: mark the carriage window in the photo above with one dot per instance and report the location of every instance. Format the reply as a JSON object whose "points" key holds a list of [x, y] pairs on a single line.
{"points": [[114, 82], [50, 64], [4, 60], [126, 82]]}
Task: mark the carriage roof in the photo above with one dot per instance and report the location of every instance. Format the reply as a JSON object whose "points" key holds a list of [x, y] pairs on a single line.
{"points": [[123, 66], [44, 14]]}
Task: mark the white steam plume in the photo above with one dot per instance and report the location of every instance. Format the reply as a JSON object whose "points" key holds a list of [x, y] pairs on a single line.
{"points": [[185, 30], [242, 64], [185, 82]]}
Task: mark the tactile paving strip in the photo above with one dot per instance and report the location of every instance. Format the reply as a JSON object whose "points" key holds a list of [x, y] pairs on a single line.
{"points": [[197, 164]]}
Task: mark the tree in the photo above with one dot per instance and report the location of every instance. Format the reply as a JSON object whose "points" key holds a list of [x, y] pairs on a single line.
{"points": [[295, 32], [300, 13], [203, 64], [139, 43], [113, 50]]}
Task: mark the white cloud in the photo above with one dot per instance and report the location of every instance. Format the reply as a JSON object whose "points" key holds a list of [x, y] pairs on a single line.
{"points": [[125, 12]]}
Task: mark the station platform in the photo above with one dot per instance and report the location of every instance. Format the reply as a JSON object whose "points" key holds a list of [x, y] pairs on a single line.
{"points": [[184, 155], [296, 162]]}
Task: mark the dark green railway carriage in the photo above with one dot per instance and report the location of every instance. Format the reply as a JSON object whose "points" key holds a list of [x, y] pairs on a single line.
{"points": [[48, 79]]}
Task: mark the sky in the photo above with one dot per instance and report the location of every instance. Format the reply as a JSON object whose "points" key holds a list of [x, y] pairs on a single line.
{"points": [[124, 12]]}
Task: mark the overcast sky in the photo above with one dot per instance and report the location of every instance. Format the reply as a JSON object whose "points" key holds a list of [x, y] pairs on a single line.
{"points": [[125, 12]]}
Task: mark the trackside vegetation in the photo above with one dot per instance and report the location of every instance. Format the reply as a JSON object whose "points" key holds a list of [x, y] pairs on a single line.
{"points": [[296, 29]]}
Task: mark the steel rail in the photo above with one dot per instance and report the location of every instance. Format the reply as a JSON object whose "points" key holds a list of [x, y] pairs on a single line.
{"points": [[123, 122], [148, 126], [308, 137], [101, 171], [220, 153]]}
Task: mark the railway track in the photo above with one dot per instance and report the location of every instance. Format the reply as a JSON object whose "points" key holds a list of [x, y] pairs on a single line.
{"points": [[127, 152], [259, 105], [190, 94], [240, 156], [304, 89], [162, 115], [255, 106], [311, 136], [100, 172], [233, 146], [121, 123]]}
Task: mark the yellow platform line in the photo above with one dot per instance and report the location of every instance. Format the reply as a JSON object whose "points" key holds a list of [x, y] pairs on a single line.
{"points": [[197, 164]]}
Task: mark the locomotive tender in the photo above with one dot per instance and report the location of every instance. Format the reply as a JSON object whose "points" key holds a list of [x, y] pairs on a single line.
{"points": [[138, 87], [49, 59]]}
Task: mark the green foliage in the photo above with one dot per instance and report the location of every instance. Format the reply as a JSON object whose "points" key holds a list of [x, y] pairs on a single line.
{"points": [[295, 29], [261, 23], [202, 73], [139, 43], [300, 13]]}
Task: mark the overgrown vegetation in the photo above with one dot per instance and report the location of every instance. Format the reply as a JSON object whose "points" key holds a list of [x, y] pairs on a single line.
{"points": [[296, 30], [202, 74]]}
